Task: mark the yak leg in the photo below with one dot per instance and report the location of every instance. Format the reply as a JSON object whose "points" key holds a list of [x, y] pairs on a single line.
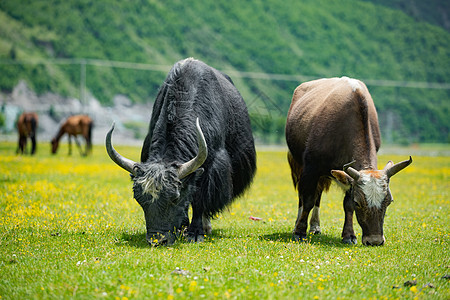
{"points": [[185, 221], [70, 144], [307, 195], [306, 203], [314, 223], [348, 234], [22, 144], [33, 144], [78, 145], [195, 231], [87, 137], [88, 145], [297, 231], [195, 235], [207, 228], [86, 150]]}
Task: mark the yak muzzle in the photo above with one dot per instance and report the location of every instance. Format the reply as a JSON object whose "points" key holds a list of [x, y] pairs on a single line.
{"points": [[160, 239], [373, 240]]}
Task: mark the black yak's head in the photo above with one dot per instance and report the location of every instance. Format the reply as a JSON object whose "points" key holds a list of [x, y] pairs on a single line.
{"points": [[165, 199], [164, 190]]}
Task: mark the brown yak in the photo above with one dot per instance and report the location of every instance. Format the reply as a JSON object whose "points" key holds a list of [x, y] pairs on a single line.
{"points": [[27, 128], [73, 126], [330, 123]]}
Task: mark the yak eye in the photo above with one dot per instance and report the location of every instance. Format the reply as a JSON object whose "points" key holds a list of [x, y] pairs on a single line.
{"points": [[138, 171], [357, 204], [175, 198]]}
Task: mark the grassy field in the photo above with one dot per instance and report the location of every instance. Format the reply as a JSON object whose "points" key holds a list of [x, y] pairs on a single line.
{"points": [[69, 228]]}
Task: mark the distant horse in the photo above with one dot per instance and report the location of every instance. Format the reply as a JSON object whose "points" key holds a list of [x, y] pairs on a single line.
{"points": [[73, 126], [27, 127]]}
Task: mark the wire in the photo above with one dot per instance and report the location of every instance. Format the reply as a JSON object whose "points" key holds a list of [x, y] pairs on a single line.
{"points": [[233, 73]]}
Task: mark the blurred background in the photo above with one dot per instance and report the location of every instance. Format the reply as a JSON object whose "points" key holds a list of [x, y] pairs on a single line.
{"points": [[107, 59]]}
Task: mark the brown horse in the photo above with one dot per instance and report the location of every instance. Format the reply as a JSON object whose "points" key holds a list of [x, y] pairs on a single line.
{"points": [[27, 127], [73, 126]]}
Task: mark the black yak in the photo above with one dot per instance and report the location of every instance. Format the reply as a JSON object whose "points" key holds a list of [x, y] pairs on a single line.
{"points": [[330, 123], [199, 151]]}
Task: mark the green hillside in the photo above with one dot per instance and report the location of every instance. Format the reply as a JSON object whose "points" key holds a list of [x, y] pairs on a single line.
{"points": [[313, 38], [432, 11]]}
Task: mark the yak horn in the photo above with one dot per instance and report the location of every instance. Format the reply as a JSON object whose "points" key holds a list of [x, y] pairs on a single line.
{"points": [[398, 167], [195, 163], [351, 172], [123, 162]]}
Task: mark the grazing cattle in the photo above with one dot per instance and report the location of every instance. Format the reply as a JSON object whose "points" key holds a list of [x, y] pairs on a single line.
{"points": [[74, 126], [330, 123], [199, 151], [27, 127]]}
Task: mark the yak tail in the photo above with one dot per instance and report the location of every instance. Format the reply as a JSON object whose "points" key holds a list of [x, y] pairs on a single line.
{"points": [[33, 122], [89, 137], [33, 135], [296, 170], [322, 184], [364, 113]]}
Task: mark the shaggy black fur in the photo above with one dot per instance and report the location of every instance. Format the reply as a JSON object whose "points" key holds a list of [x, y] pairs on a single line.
{"points": [[194, 90]]}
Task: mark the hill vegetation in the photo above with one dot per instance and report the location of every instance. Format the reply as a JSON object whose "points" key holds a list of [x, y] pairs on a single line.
{"points": [[314, 39]]}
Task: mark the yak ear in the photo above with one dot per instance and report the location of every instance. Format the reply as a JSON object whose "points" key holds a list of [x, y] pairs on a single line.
{"points": [[388, 165], [199, 171], [342, 178], [195, 175]]}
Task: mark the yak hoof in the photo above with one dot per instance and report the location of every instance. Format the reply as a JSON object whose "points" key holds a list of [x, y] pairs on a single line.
{"points": [[350, 240], [315, 230], [299, 238], [195, 238]]}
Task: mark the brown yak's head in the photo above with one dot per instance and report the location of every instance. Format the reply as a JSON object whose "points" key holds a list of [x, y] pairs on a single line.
{"points": [[371, 196]]}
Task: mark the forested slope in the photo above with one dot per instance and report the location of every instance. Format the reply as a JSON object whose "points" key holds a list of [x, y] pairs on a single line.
{"points": [[314, 38]]}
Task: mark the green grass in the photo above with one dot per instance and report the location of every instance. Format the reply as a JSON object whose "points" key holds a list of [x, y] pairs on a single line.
{"points": [[69, 228]]}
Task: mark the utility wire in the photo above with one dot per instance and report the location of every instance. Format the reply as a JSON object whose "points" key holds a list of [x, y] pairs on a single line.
{"points": [[233, 73]]}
